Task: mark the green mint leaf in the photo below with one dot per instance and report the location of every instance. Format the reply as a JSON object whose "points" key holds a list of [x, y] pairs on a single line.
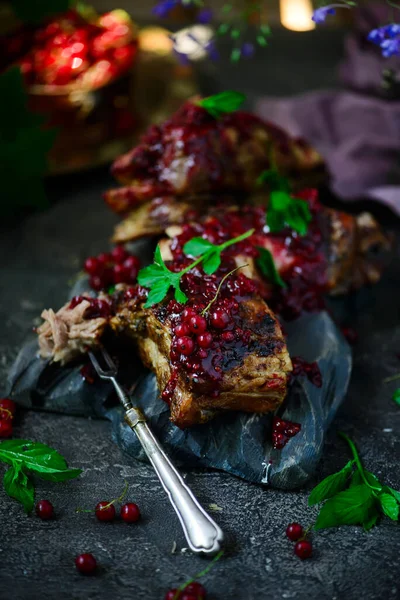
{"points": [[285, 211], [220, 104], [389, 506], [18, 486], [394, 493], [371, 520], [350, 507], [266, 264], [159, 289], [197, 246], [396, 396], [46, 462], [331, 485], [211, 263], [148, 276], [370, 477], [35, 12]]}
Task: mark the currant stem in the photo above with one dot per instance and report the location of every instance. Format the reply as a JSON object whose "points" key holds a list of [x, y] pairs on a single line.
{"points": [[207, 308], [357, 460], [198, 575]]}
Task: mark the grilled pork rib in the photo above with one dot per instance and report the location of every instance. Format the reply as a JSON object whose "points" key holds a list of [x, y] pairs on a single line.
{"points": [[195, 154]]}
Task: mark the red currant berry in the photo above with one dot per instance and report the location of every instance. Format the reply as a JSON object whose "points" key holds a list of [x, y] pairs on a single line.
{"points": [[185, 345], [119, 273], [86, 563], [7, 408], [198, 590], [204, 340], [188, 313], [173, 595], [44, 510], [197, 324], [75, 301], [303, 549], [186, 596], [96, 283], [220, 318], [130, 512], [132, 262], [105, 511], [181, 330], [6, 428], [228, 336], [130, 293], [119, 254], [294, 531]]}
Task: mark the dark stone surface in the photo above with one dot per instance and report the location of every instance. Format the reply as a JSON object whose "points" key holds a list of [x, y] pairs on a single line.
{"points": [[38, 258]]}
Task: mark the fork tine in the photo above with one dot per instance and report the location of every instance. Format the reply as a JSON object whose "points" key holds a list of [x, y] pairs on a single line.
{"points": [[108, 360], [101, 372]]}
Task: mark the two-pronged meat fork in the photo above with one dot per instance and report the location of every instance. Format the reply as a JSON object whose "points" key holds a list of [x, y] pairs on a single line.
{"points": [[202, 534]]}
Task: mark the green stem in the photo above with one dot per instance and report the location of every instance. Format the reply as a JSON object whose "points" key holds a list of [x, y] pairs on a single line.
{"points": [[198, 575], [207, 308], [357, 460], [388, 379]]}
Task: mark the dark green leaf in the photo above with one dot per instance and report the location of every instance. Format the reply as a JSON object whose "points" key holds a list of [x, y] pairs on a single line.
{"points": [[396, 396], [389, 506], [148, 276], [34, 11], [179, 295], [394, 493], [265, 263], [225, 102], [372, 519], [285, 211], [159, 289], [350, 507], [18, 486], [46, 462], [197, 246], [370, 477], [275, 181], [331, 485], [212, 262]]}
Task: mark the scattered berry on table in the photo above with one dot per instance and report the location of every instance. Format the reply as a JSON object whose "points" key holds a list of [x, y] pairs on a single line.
{"points": [[303, 549], [196, 589], [173, 595], [86, 563], [294, 531], [45, 510], [8, 408], [130, 512], [105, 511]]}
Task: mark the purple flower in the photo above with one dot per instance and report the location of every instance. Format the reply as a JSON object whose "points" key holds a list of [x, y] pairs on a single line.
{"points": [[211, 50], [392, 30], [205, 16], [391, 47], [376, 36], [247, 49], [163, 8], [320, 14]]}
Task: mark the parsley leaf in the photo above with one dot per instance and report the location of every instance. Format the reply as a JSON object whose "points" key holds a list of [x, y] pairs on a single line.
{"points": [[331, 485], [24, 457], [220, 104], [389, 506], [350, 507], [158, 279], [285, 211], [266, 264], [394, 493]]}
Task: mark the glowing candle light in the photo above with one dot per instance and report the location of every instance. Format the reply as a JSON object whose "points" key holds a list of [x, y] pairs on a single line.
{"points": [[296, 15]]}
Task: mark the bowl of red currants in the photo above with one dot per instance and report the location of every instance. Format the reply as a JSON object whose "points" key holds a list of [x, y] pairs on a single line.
{"points": [[77, 69]]}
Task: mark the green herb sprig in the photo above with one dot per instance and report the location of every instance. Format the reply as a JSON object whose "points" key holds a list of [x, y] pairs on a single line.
{"points": [[284, 210], [266, 264], [223, 103], [199, 575], [26, 457], [159, 279], [353, 496]]}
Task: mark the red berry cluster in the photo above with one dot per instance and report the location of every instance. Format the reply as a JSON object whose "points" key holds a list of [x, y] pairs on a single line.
{"points": [[310, 370], [193, 591], [108, 269], [8, 409], [99, 307], [303, 547], [71, 49], [282, 431]]}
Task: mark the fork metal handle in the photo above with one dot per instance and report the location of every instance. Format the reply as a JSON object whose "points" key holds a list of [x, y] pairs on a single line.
{"points": [[202, 534]]}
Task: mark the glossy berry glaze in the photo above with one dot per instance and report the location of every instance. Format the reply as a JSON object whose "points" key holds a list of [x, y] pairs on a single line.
{"points": [[110, 268], [68, 49], [282, 431]]}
